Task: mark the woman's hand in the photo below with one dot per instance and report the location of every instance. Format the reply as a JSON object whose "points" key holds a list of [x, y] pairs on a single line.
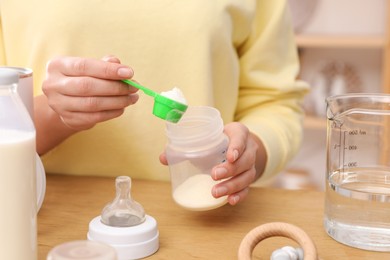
{"points": [[246, 158], [245, 162], [84, 92]]}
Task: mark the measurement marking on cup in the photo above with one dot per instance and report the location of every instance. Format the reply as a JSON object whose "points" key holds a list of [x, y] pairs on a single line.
{"points": [[345, 146], [345, 133], [348, 147]]}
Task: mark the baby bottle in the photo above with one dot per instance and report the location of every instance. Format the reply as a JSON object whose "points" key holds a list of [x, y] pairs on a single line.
{"points": [[18, 225], [195, 145]]}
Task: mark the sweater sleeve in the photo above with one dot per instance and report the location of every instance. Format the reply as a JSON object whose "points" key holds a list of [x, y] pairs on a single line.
{"points": [[270, 96]]}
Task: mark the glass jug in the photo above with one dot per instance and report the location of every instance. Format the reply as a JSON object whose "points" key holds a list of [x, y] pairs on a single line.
{"points": [[18, 219], [357, 204]]}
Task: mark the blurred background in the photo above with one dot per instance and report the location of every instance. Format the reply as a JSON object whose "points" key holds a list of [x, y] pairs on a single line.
{"points": [[344, 48]]}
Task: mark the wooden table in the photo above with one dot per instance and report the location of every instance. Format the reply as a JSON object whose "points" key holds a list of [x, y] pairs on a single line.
{"points": [[72, 202]]}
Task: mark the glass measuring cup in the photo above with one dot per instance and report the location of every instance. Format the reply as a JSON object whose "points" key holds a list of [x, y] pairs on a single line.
{"points": [[357, 204]]}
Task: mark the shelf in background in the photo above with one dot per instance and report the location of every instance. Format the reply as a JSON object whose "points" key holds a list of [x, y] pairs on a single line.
{"points": [[341, 41]]}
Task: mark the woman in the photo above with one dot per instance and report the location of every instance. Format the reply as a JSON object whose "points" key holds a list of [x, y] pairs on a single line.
{"points": [[237, 56]]}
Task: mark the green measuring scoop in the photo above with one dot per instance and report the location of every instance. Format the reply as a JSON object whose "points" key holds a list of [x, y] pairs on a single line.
{"points": [[164, 107]]}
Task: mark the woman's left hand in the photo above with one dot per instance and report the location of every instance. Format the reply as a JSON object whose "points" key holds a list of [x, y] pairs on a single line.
{"points": [[245, 163]]}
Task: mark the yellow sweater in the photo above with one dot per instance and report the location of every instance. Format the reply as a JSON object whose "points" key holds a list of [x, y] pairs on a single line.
{"points": [[237, 56]]}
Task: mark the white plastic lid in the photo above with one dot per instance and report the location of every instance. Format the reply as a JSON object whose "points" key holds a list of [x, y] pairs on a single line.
{"points": [[8, 76], [129, 242], [82, 250]]}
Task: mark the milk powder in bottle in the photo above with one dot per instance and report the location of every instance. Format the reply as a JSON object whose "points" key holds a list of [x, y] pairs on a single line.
{"points": [[18, 217], [195, 145]]}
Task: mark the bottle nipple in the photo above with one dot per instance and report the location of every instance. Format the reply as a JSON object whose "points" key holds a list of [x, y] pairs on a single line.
{"points": [[123, 211]]}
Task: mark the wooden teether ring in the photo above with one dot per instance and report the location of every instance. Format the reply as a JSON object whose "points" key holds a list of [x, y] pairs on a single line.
{"points": [[273, 229]]}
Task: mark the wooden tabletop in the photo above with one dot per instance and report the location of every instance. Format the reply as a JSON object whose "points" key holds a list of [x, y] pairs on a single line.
{"points": [[72, 202]]}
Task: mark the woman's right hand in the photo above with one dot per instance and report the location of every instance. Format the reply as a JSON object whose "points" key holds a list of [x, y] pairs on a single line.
{"points": [[84, 92]]}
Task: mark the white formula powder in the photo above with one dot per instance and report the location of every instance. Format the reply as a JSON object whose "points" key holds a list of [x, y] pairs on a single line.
{"points": [[195, 193], [175, 94]]}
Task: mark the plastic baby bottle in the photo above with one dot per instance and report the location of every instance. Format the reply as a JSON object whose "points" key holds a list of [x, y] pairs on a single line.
{"points": [[195, 145], [18, 199]]}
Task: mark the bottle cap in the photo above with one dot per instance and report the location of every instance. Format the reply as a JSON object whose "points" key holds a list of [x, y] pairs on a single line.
{"points": [[132, 242], [82, 249]]}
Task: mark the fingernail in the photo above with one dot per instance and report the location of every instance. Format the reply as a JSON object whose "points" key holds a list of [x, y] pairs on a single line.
{"points": [[125, 72], [133, 98], [235, 155], [234, 199], [219, 173], [110, 58], [220, 191]]}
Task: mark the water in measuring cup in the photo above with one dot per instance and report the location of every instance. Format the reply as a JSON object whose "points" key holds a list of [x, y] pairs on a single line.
{"points": [[357, 208]]}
